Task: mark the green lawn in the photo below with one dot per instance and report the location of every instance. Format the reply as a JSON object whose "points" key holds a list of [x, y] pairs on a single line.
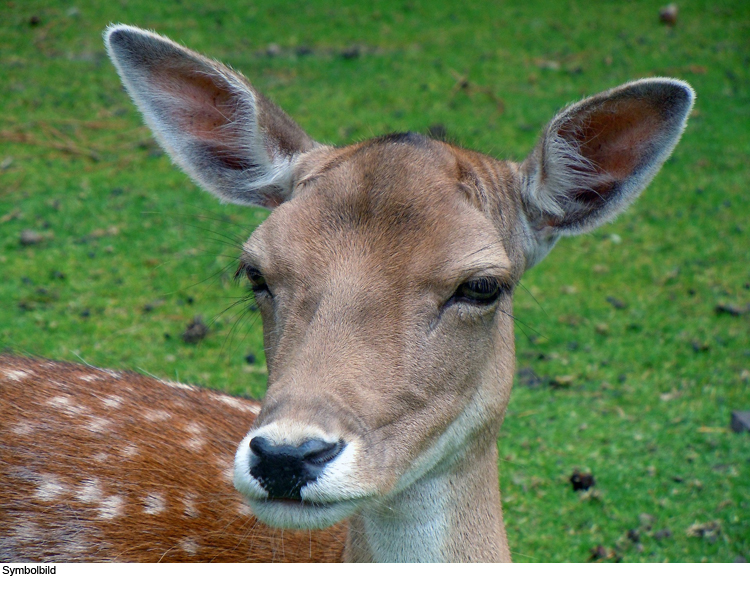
{"points": [[626, 367]]}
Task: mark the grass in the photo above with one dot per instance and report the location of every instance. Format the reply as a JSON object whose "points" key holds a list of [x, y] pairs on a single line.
{"points": [[640, 393]]}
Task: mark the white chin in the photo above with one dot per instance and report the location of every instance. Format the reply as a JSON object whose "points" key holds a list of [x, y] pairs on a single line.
{"points": [[301, 515]]}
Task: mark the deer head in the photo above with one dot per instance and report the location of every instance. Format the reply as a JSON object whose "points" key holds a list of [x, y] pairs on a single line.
{"points": [[385, 277]]}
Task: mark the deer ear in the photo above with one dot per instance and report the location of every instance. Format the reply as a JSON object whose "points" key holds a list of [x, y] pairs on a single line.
{"points": [[228, 137], [596, 157]]}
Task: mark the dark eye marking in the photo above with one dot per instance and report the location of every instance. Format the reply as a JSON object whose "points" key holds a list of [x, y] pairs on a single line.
{"points": [[255, 277]]}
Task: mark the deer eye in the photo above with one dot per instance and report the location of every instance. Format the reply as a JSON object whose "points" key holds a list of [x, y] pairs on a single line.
{"points": [[254, 276], [481, 291]]}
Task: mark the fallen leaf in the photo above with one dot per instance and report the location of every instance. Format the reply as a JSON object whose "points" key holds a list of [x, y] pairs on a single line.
{"points": [[668, 14], [710, 530], [706, 429], [667, 396], [563, 381], [13, 215], [31, 237]]}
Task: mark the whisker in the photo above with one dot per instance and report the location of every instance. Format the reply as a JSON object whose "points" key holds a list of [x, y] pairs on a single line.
{"points": [[533, 298]]}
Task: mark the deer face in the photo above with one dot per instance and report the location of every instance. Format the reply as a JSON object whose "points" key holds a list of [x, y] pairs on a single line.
{"points": [[385, 286]]}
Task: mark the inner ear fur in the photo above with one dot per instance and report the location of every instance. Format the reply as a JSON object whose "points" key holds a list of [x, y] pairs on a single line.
{"points": [[227, 136], [597, 155]]}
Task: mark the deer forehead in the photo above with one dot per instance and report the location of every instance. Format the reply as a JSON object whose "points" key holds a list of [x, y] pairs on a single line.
{"points": [[396, 207]]}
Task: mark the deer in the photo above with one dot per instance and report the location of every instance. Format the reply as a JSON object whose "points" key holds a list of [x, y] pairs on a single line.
{"points": [[384, 276]]}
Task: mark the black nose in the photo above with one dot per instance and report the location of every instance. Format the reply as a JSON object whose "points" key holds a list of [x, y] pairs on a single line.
{"points": [[284, 469]]}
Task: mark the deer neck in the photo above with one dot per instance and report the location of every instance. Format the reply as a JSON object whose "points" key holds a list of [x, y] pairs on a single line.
{"points": [[450, 515]]}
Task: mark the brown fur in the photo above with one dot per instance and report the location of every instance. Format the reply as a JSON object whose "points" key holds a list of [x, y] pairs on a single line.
{"points": [[115, 466]]}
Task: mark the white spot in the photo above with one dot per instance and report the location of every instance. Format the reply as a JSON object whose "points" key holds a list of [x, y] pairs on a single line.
{"points": [[89, 491], [189, 546], [236, 403], [156, 415], [23, 428], [195, 443], [111, 507], [60, 401], [50, 489], [66, 404], [178, 385], [90, 378], [154, 504], [26, 532], [194, 428], [129, 451], [113, 374], [77, 547], [99, 425], [113, 401], [15, 374], [191, 510], [101, 457]]}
